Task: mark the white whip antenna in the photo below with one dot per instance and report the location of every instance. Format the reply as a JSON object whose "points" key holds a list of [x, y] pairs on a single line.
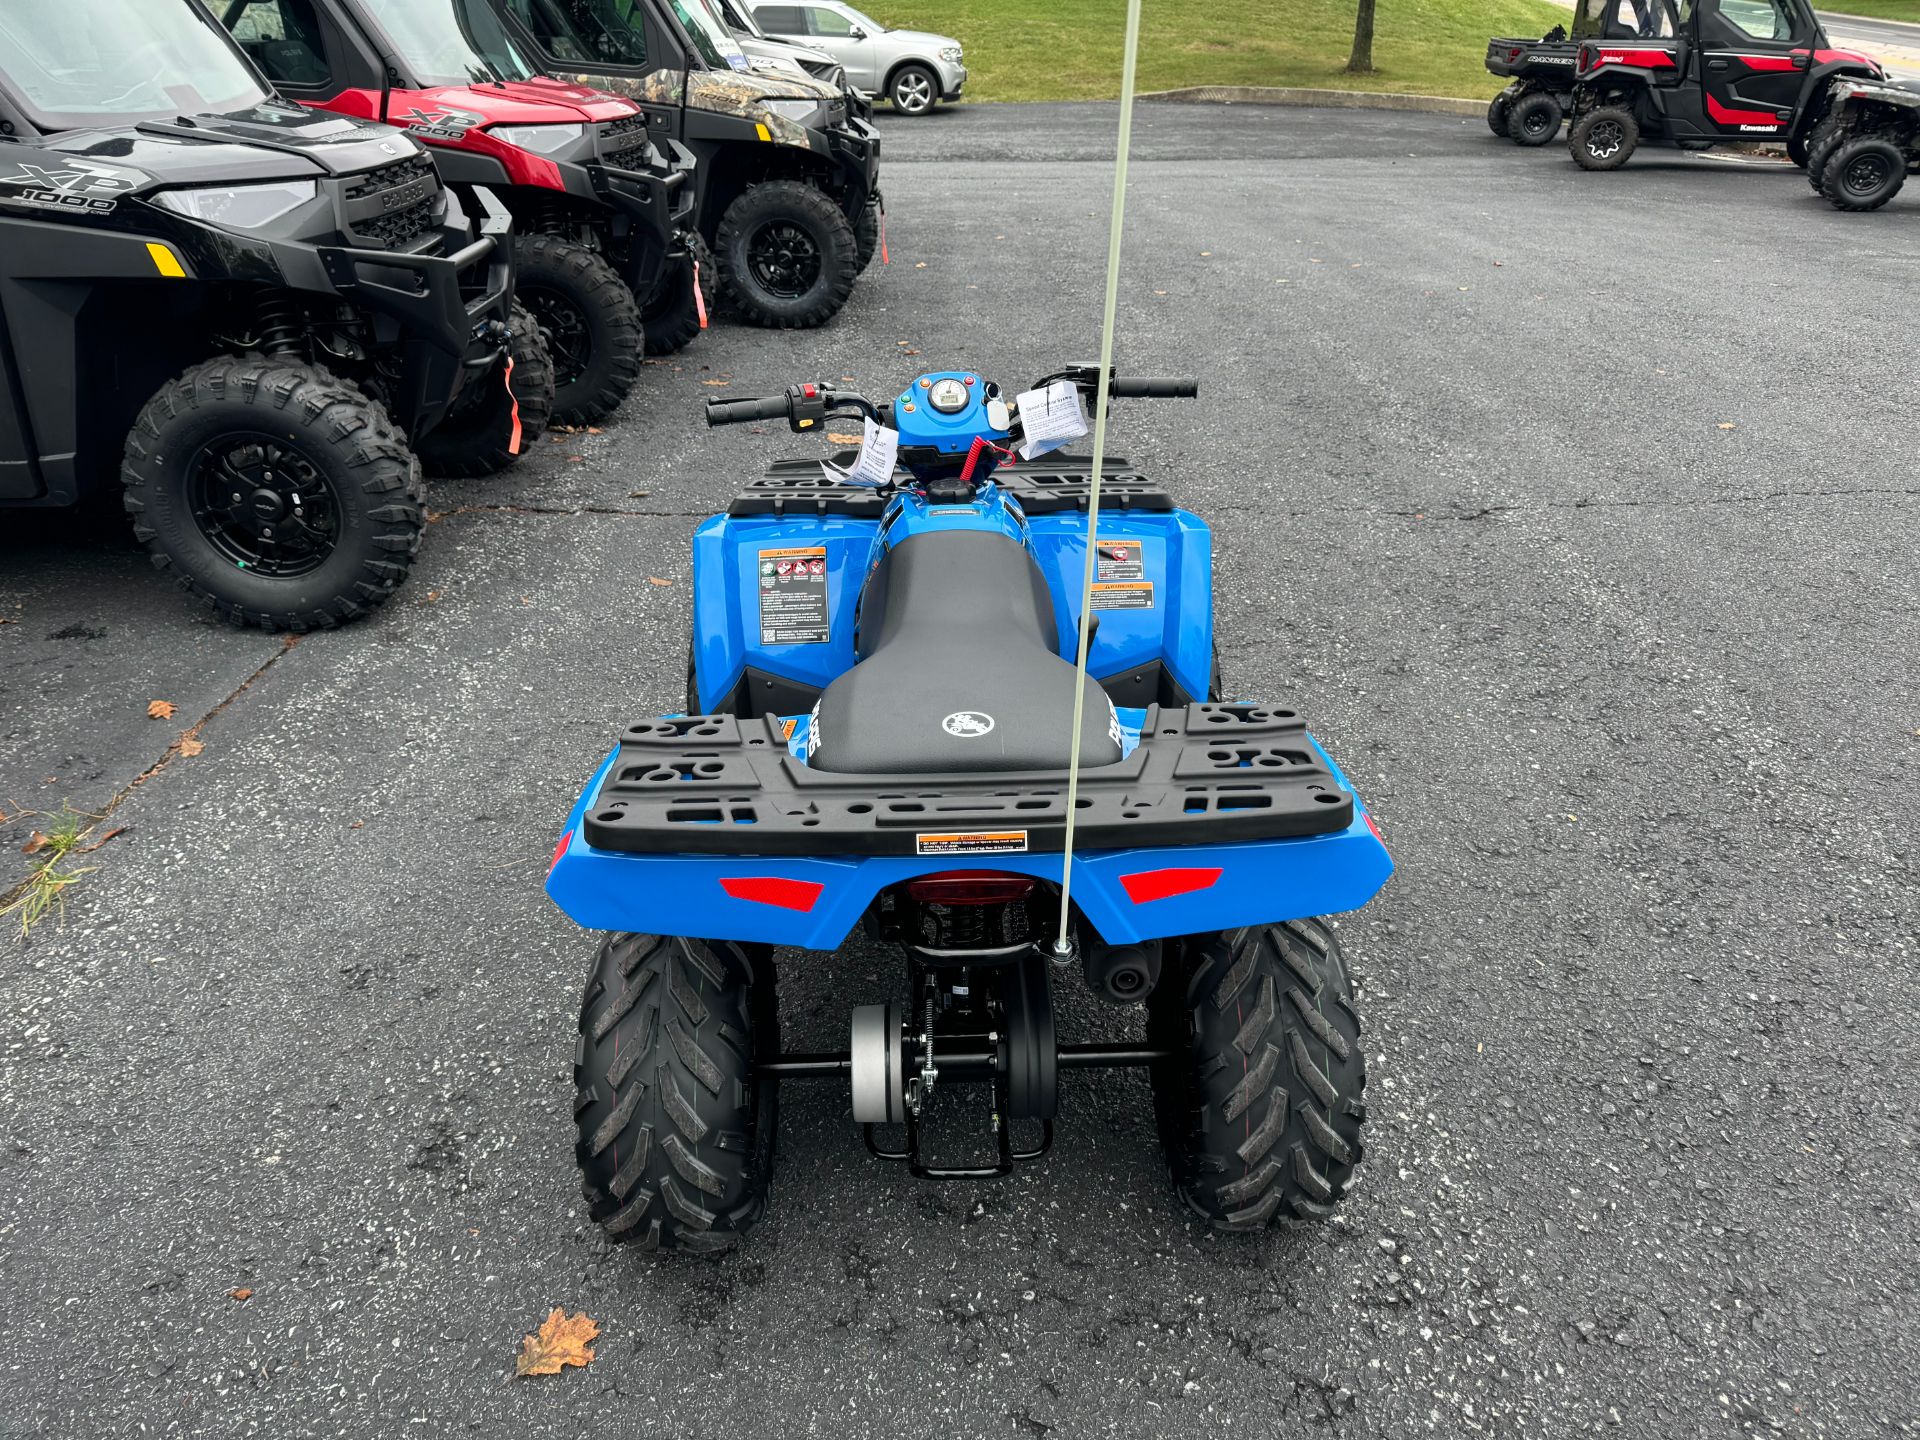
{"points": [[1062, 945]]}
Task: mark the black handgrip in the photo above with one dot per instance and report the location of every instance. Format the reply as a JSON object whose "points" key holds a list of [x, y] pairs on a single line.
{"points": [[1154, 387], [745, 412]]}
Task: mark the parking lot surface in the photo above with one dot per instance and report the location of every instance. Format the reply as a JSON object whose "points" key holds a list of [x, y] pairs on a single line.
{"points": [[1576, 511]]}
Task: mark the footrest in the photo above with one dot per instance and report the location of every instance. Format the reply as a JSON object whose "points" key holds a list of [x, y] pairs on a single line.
{"points": [[1201, 774]]}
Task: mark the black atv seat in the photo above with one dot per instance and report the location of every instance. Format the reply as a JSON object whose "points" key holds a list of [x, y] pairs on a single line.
{"points": [[957, 669]]}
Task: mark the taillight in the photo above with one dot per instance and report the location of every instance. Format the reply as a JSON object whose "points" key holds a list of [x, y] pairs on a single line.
{"points": [[970, 887], [1514, 53], [773, 890]]}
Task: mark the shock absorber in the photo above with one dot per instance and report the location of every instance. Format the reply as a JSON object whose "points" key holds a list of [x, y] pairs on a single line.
{"points": [[280, 328]]}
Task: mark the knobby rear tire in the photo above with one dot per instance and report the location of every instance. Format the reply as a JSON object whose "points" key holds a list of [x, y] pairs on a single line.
{"points": [[674, 1131]]}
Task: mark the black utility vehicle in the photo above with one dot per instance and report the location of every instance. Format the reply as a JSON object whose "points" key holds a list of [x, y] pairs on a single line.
{"points": [[1530, 110], [1540, 85], [1731, 70], [239, 306], [789, 176], [599, 213], [1859, 155]]}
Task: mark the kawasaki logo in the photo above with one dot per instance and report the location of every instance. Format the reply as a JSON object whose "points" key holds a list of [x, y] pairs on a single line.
{"points": [[1767, 129]]}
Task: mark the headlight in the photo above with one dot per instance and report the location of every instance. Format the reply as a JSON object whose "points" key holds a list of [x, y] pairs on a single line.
{"points": [[801, 112], [245, 207], [951, 54], [540, 139]]}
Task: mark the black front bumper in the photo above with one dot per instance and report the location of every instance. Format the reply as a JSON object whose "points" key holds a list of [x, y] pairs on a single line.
{"points": [[658, 203], [855, 149], [450, 310]]}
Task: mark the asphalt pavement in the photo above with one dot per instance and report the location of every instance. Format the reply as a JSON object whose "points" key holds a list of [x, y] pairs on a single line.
{"points": [[1576, 511]]}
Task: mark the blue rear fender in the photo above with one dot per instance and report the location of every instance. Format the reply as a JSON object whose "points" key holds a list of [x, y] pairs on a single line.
{"points": [[814, 903]]}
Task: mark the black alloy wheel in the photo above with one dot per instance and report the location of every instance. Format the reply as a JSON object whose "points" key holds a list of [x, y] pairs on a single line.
{"points": [[263, 505]]}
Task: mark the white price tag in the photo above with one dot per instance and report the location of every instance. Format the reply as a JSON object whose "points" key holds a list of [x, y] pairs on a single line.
{"points": [[879, 449], [1050, 418]]}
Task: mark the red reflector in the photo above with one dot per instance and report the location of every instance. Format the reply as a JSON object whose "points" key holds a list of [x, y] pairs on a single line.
{"points": [[970, 887], [1160, 884], [558, 851], [1376, 830], [772, 890]]}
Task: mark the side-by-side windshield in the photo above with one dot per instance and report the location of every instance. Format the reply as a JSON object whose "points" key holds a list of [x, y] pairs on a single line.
{"points": [[82, 63], [452, 42], [583, 31], [710, 39]]}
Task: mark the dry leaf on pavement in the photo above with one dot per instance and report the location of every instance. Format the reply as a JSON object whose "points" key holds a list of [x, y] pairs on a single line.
{"points": [[243, 1294], [190, 747], [561, 1340], [36, 842], [160, 710], [716, 382], [656, 580]]}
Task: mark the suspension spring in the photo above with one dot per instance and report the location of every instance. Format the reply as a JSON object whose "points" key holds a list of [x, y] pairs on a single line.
{"points": [[280, 328]]}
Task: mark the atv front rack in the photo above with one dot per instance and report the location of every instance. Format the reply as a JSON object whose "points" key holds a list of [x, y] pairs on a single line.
{"points": [[1042, 487], [1201, 774]]}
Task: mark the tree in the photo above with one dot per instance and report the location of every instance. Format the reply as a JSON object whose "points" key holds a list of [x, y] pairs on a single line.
{"points": [[1361, 61]]}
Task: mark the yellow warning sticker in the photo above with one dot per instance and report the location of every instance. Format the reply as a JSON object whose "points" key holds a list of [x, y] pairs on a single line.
{"points": [[992, 842]]}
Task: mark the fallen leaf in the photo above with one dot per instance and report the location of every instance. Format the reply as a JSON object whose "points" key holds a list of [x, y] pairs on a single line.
{"points": [[1205, 253], [358, 825], [846, 379], [576, 459], [837, 438], [716, 382], [243, 1294], [919, 264], [595, 430], [160, 710], [190, 747], [36, 842], [909, 352], [1727, 425], [1159, 292], [656, 580], [561, 1340], [5, 621], [89, 849], [638, 494], [433, 597], [1498, 263]]}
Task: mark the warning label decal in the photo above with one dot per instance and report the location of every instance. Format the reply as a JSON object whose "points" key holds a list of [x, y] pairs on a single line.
{"points": [[1123, 594], [995, 842], [793, 596], [1119, 560]]}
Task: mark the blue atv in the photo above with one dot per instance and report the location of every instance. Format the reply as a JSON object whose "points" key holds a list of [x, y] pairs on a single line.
{"points": [[881, 696]]}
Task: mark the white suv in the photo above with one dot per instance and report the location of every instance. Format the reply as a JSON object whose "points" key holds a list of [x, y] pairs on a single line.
{"points": [[913, 69]]}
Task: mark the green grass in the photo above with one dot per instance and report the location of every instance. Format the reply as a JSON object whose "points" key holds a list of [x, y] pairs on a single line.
{"points": [[1908, 10], [1070, 49], [44, 889]]}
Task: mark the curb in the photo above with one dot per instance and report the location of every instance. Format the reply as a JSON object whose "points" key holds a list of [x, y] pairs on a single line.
{"points": [[1331, 99]]}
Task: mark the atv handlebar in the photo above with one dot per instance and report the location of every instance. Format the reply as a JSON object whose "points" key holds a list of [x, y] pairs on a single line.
{"points": [[805, 406], [743, 412], [1154, 387]]}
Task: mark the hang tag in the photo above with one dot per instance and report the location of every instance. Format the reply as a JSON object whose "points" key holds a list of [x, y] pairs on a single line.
{"points": [[699, 300], [879, 448], [1050, 418], [885, 259]]}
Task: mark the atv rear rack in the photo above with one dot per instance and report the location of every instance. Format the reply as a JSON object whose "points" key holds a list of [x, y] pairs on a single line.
{"points": [[1201, 774]]}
